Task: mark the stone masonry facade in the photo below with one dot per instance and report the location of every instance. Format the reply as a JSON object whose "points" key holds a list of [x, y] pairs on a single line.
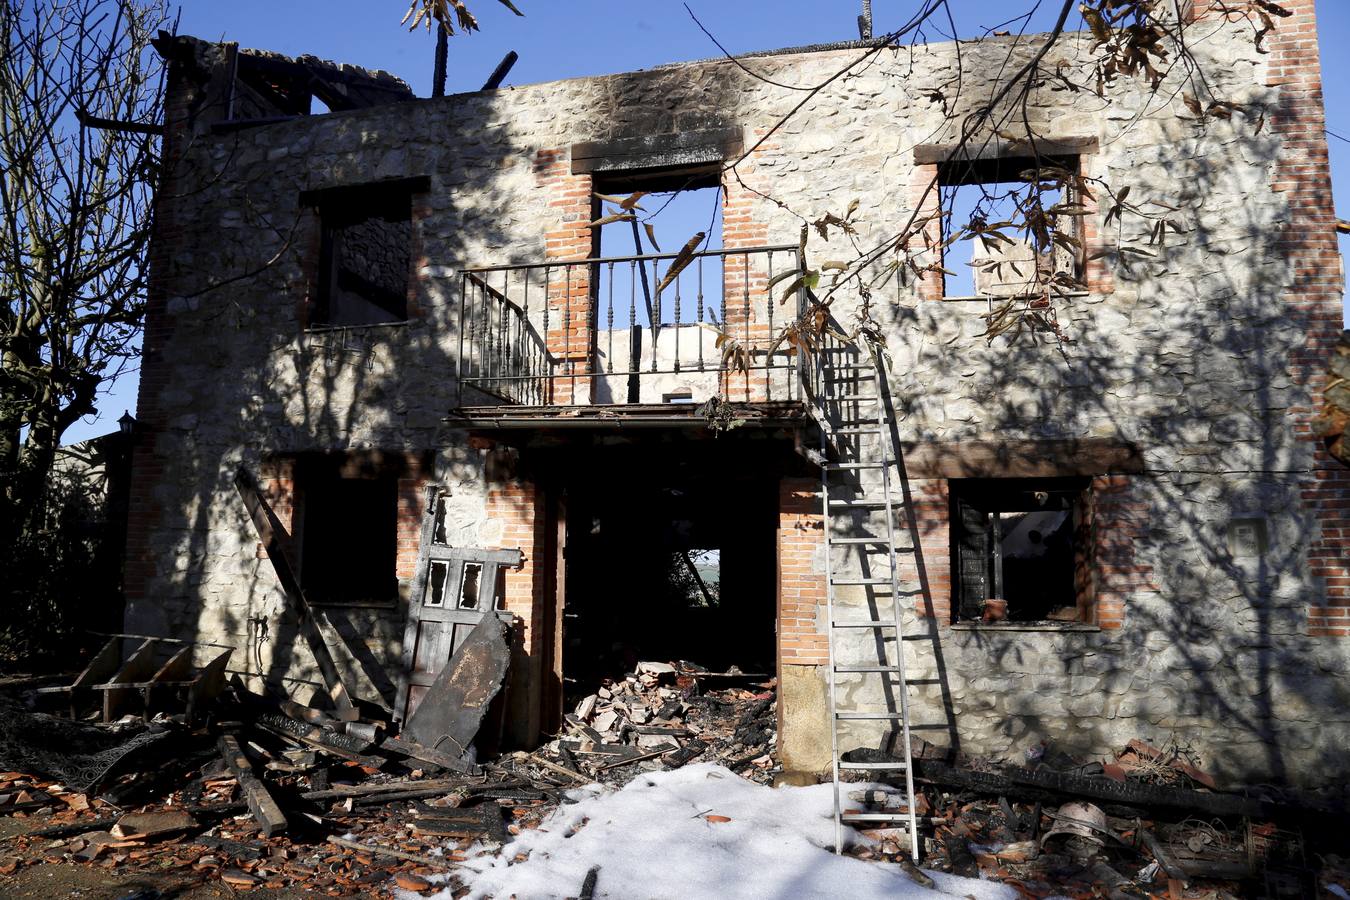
{"points": [[1204, 358]]}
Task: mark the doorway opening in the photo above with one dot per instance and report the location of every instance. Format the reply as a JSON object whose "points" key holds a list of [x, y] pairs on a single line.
{"points": [[649, 324], [676, 567]]}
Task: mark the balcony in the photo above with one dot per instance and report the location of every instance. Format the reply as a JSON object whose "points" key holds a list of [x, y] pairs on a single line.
{"points": [[635, 338]]}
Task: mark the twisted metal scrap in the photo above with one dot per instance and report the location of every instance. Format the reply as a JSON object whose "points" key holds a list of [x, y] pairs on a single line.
{"points": [[79, 756]]}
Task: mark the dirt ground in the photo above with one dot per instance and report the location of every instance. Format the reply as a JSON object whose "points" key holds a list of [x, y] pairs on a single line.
{"points": [[89, 883]]}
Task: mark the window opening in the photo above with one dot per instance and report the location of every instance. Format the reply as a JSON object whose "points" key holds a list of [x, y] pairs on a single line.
{"points": [[440, 571], [1020, 254], [365, 257], [1021, 541], [695, 577], [468, 594], [350, 538], [641, 326]]}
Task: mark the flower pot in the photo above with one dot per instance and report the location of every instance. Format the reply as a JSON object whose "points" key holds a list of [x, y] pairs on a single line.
{"points": [[995, 610]]}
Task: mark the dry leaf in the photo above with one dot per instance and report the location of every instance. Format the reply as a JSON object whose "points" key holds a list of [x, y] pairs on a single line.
{"points": [[681, 261], [614, 217]]}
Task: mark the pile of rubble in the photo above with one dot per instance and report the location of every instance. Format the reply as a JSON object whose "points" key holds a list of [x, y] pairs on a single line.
{"points": [[272, 793], [1148, 823], [261, 798], [666, 715], [268, 793]]}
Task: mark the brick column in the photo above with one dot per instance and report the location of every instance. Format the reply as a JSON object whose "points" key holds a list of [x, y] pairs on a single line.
{"points": [[745, 279], [1097, 273], [1314, 299], [570, 334], [519, 506], [412, 498], [1119, 520], [147, 465], [924, 196], [930, 568], [801, 588], [277, 481]]}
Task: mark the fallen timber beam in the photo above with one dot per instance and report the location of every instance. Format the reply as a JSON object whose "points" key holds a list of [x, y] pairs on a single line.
{"points": [[260, 803], [273, 536], [428, 755], [356, 792], [398, 797], [1014, 781], [431, 861], [393, 787]]}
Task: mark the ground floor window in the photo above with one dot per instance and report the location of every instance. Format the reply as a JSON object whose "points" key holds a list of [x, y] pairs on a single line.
{"points": [[348, 532], [1020, 549]]}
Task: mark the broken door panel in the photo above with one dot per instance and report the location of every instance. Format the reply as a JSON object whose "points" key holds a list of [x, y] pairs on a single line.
{"points": [[453, 589], [449, 712]]}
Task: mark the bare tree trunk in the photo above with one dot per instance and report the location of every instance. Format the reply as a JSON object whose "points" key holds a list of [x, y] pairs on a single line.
{"points": [[73, 239]]}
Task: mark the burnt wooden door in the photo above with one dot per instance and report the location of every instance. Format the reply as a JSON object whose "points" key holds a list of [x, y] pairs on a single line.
{"points": [[453, 589]]}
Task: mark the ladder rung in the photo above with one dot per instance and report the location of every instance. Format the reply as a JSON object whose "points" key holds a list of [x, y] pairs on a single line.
{"points": [[855, 670], [862, 540], [845, 398], [873, 430], [863, 766], [869, 715], [842, 582], [874, 817], [874, 623], [860, 504]]}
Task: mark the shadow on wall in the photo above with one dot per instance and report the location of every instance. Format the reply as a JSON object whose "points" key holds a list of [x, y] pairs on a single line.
{"points": [[1190, 359], [247, 383], [238, 379]]}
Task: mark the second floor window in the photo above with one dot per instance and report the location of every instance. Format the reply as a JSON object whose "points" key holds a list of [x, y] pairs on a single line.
{"points": [[997, 194], [365, 258]]}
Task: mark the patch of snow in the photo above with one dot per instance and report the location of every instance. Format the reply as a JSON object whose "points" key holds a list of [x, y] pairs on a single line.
{"points": [[652, 841]]}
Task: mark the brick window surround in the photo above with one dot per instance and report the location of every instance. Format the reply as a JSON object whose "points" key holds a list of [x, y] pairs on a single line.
{"points": [[1117, 519], [1119, 523], [924, 196], [314, 244], [283, 488]]}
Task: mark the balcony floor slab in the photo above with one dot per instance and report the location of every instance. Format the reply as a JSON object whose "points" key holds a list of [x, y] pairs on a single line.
{"points": [[769, 414]]}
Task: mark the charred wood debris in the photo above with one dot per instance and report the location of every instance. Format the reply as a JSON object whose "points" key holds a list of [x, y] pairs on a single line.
{"points": [[256, 791]]}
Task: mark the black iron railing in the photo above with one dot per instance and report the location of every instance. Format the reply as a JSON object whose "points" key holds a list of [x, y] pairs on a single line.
{"points": [[631, 329]]}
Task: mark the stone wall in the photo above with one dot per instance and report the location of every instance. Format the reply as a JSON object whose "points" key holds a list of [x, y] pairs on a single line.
{"points": [[1202, 355]]}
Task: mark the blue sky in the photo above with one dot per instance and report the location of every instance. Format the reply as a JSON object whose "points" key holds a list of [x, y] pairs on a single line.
{"points": [[594, 37]]}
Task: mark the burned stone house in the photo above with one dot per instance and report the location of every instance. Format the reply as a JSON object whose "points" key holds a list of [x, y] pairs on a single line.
{"points": [[396, 307]]}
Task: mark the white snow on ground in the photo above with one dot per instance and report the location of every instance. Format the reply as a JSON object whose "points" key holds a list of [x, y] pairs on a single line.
{"points": [[652, 842]]}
